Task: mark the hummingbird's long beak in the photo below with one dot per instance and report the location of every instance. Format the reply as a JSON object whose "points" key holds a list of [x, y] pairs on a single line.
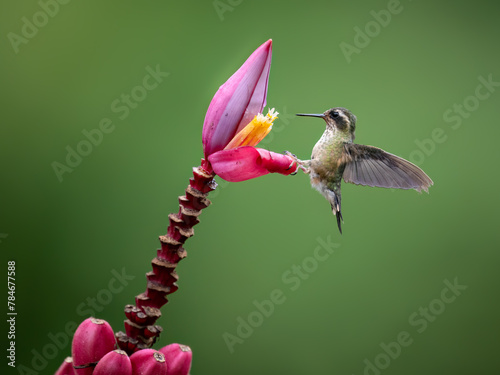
{"points": [[311, 115]]}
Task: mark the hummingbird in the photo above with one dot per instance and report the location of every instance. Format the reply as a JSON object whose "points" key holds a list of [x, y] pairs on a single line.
{"points": [[336, 157]]}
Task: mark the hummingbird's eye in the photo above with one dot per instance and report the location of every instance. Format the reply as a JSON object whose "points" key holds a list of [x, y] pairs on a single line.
{"points": [[334, 114]]}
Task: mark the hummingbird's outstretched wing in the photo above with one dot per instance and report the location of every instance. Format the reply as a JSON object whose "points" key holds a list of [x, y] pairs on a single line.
{"points": [[368, 165]]}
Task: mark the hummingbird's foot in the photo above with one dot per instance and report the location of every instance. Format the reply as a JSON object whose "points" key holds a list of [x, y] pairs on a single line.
{"points": [[302, 164], [304, 169], [295, 160]]}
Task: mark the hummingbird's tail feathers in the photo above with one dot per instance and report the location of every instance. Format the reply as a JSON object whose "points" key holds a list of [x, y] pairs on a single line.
{"points": [[334, 200], [372, 166], [340, 220]]}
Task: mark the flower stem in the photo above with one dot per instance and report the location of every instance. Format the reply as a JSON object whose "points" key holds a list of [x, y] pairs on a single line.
{"points": [[141, 331]]}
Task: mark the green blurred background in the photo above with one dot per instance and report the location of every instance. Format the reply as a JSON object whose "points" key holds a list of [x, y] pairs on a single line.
{"points": [[398, 248]]}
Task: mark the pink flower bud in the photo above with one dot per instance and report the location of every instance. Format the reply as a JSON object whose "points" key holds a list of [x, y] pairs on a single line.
{"points": [[66, 367], [178, 358], [116, 362], [92, 340], [148, 362]]}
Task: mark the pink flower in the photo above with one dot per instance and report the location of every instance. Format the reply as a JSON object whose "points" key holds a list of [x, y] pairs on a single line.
{"points": [[148, 362], [178, 358], [66, 367], [93, 339], [234, 124], [116, 362]]}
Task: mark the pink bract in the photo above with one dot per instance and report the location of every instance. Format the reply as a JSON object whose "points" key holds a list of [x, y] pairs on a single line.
{"points": [[238, 100], [245, 163]]}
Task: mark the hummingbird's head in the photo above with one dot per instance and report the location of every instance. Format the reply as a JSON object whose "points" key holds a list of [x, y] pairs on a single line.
{"points": [[337, 119]]}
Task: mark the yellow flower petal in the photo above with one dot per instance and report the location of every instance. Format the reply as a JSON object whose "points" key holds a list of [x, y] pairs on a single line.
{"points": [[255, 131]]}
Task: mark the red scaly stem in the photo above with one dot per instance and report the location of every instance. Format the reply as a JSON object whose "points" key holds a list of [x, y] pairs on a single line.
{"points": [[140, 329]]}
